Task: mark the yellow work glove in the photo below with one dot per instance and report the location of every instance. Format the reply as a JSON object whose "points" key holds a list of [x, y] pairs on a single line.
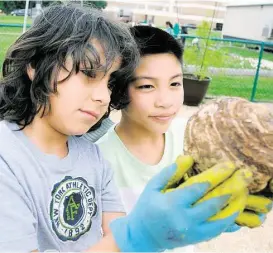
{"points": [[224, 179], [257, 206]]}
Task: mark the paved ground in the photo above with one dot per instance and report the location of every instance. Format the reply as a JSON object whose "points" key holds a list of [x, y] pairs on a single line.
{"points": [[245, 240]]}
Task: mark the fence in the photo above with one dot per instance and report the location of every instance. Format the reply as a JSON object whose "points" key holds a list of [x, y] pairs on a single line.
{"points": [[10, 29], [237, 67]]}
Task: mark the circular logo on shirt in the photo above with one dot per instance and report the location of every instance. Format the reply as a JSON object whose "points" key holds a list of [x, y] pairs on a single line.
{"points": [[72, 207]]}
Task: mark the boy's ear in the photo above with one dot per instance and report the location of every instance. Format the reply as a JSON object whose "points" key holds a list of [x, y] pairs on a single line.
{"points": [[30, 72]]}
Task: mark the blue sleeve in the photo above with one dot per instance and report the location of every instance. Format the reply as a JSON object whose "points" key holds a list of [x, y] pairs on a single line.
{"points": [[18, 223]]}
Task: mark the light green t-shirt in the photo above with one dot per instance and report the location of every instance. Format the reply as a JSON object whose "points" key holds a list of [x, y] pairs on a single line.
{"points": [[131, 175], [129, 170]]}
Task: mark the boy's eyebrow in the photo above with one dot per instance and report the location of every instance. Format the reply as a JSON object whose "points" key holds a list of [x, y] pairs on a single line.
{"points": [[177, 75], [136, 78]]}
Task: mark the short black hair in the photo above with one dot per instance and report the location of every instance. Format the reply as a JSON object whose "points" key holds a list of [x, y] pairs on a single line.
{"points": [[62, 30], [150, 40], [169, 24]]}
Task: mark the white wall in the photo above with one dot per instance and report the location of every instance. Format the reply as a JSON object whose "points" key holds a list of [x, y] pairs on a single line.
{"points": [[164, 10], [247, 22]]}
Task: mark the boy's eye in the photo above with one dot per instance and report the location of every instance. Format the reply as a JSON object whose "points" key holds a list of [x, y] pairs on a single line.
{"points": [[146, 86], [89, 72], [176, 84]]}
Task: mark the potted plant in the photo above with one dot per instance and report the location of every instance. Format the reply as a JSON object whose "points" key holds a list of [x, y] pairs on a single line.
{"points": [[199, 56]]}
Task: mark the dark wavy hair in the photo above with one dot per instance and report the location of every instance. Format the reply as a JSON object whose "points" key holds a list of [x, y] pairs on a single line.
{"points": [[150, 40], [59, 32]]}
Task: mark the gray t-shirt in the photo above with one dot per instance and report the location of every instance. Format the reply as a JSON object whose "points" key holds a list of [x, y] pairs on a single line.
{"points": [[48, 203]]}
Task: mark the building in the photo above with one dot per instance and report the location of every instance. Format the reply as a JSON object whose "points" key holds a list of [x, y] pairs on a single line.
{"points": [[160, 11], [249, 21]]}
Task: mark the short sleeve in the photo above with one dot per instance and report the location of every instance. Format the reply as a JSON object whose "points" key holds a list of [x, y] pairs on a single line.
{"points": [[95, 135], [111, 200], [17, 223]]}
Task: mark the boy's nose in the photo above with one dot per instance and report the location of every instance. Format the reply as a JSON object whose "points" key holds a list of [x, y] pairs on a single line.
{"points": [[164, 99], [101, 94]]}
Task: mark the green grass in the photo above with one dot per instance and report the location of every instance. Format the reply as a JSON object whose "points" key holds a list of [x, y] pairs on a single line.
{"points": [[249, 53], [10, 30], [213, 34], [217, 51], [241, 86], [5, 42], [14, 20], [215, 57]]}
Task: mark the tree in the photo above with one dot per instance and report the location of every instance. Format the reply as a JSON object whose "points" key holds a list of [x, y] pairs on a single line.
{"points": [[8, 6], [98, 4]]}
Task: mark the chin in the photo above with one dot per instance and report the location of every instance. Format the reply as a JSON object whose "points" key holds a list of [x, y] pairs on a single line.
{"points": [[78, 131], [160, 129]]}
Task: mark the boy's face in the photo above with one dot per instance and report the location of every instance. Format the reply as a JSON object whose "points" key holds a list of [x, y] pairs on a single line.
{"points": [[81, 101], [156, 94]]}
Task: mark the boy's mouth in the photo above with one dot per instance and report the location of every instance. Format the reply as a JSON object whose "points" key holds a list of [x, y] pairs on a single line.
{"points": [[90, 113], [163, 117]]}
